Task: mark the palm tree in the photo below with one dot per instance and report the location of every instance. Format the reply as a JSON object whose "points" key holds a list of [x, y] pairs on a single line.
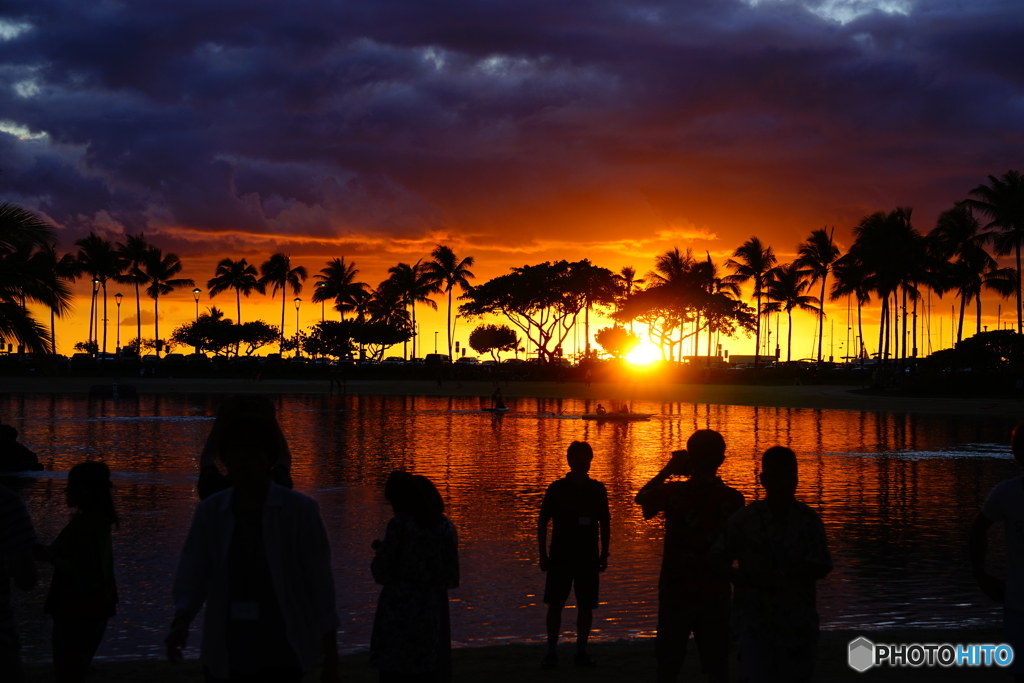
{"points": [[337, 283], [277, 272], [26, 275], [627, 280], [415, 284], [65, 268], [786, 292], [1002, 200], [98, 258], [755, 263], [818, 254], [160, 269], [853, 279], [708, 279], [133, 253], [447, 271], [238, 275]]}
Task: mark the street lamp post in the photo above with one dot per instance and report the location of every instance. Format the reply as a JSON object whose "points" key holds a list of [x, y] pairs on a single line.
{"points": [[94, 332], [435, 341], [117, 300], [323, 301], [297, 301], [195, 295]]}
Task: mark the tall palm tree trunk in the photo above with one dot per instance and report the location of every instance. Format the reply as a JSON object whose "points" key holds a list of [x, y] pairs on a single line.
{"points": [[450, 324], [238, 305], [280, 347], [960, 327], [414, 333], [757, 335], [913, 351], [1020, 321], [156, 323], [789, 337], [860, 332], [903, 332], [104, 316], [138, 319], [883, 337], [53, 334], [821, 316], [977, 300]]}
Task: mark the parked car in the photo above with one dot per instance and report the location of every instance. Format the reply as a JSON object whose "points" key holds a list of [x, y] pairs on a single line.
{"points": [[468, 360], [102, 356], [151, 358], [489, 362], [393, 360], [436, 359], [174, 358]]}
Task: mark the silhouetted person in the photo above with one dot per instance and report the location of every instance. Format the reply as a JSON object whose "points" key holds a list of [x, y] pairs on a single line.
{"points": [[83, 593], [17, 538], [15, 457], [211, 479], [416, 564], [258, 557], [578, 507], [781, 550], [497, 400], [692, 596], [1005, 504], [601, 410]]}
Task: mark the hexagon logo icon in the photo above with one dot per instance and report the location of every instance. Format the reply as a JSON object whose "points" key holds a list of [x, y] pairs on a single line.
{"points": [[862, 654]]}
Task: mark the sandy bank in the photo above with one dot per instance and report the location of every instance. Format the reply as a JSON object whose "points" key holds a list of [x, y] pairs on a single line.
{"points": [[619, 661], [820, 397]]}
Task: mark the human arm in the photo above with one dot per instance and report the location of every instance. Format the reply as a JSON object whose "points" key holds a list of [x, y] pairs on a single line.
{"points": [[991, 586], [542, 538], [651, 494], [190, 584], [605, 524]]}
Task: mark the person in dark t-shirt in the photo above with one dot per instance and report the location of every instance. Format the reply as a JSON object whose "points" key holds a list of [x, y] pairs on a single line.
{"points": [[577, 506], [692, 596]]}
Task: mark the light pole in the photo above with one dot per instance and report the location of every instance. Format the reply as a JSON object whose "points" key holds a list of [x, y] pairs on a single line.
{"points": [[195, 295], [435, 341], [117, 300], [94, 332], [297, 301], [323, 301]]}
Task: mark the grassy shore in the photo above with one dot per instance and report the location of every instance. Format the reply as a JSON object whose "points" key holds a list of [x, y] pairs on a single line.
{"points": [[648, 389], [631, 661]]}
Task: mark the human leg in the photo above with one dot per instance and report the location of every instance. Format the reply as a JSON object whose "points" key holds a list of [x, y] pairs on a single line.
{"points": [[10, 650], [711, 634], [673, 634], [556, 592], [74, 645]]}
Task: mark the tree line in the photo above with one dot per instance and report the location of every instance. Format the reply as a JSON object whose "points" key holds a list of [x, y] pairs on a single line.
{"points": [[684, 301]]}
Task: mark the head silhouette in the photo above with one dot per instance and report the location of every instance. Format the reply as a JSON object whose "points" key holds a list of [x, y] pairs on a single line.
{"points": [[89, 489], [1017, 442], [579, 455], [8, 433], [779, 472], [248, 446], [707, 451]]}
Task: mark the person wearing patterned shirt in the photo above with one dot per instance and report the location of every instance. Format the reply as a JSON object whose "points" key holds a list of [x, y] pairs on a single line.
{"points": [[17, 539], [578, 508], [781, 552], [692, 597]]}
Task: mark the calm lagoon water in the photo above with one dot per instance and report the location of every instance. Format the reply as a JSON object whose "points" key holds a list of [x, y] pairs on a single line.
{"points": [[897, 494]]}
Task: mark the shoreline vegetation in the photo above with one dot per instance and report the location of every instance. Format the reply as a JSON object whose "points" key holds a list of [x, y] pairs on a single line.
{"points": [[618, 661], [824, 397]]}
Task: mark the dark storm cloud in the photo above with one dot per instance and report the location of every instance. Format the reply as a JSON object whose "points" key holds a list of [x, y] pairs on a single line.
{"points": [[401, 118]]}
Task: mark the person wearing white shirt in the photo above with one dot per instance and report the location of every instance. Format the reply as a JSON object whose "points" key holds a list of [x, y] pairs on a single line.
{"points": [[258, 557]]}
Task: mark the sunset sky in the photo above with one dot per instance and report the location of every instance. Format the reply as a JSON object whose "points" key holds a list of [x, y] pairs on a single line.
{"points": [[516, 132]]}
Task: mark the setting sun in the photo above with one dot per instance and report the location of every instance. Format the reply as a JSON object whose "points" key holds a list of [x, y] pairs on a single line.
{"points": [[644, 354]]}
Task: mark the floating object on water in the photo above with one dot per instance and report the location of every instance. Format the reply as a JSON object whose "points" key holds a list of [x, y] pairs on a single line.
{"points": [[496, 411], [620, 417]]}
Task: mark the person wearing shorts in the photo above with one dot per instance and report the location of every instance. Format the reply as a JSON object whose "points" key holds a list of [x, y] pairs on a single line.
{"points": [[1005, 504], [577, 508]]}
